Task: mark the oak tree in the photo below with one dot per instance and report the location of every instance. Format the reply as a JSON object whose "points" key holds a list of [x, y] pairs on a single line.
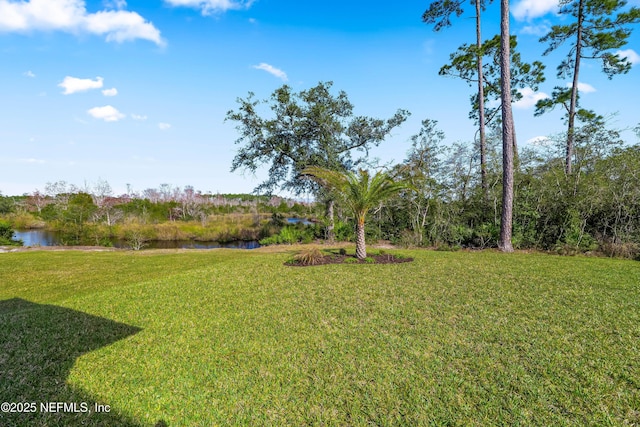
{"points": [[313, 127]]}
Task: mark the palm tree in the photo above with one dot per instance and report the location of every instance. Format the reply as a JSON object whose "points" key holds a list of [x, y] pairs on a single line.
{"points": [[359, 192]]}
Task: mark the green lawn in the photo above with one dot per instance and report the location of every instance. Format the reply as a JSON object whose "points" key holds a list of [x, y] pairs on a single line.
{"points": [[228, 337]]}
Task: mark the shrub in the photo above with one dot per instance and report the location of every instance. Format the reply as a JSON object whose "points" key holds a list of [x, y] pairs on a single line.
{"points": [[289, 235], [6, 235], [627, 250], [311, 256], [344, 232], [448, 248], [136, 239], [408, 239]]}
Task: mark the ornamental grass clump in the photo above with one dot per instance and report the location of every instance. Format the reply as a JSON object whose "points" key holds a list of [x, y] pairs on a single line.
{"points": [[311, 256]]}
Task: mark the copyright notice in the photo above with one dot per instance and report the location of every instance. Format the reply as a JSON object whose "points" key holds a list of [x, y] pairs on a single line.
{"points": [[53, 407]]}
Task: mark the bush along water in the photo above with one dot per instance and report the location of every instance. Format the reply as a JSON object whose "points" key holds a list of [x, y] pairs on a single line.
{"points": [[290, 234], [6, 235], [92, 217]]}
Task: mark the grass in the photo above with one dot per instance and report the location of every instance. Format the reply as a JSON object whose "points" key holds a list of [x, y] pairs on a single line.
{"points": [[220, 227], [236, 338]]}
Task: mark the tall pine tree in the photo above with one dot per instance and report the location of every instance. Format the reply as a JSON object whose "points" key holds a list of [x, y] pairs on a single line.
{"points": [[439, 15], [596, 29]]}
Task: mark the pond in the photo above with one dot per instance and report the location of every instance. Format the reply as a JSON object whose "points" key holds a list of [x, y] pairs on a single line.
{"points": [[53, 238], [302, 221]]}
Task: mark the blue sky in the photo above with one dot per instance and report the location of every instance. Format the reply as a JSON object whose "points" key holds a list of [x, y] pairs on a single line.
{"points": [[136, 92]]}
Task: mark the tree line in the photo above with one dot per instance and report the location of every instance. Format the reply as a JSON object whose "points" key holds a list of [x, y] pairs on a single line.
{"points": [[94, 215], [574, 192], [474, 194]]}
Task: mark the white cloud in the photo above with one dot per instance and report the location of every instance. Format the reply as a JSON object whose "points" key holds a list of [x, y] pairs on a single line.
{"points": [[121, 26], [584, 87], [71, 16], [106, 113], [528, 9], [138, 117], [630, 54], [209, 7], [164, 126], [536, 30], [33, 161], [272, 70], [114, 4], [74, 84], [110, 92], [540, 141], [529, 98], [29, 74]]}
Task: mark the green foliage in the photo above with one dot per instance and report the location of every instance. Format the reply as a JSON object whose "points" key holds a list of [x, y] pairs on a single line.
{"points": [[439, 12], [601, 27], [595, 209], [148, 211], [464, 65], [79, 209], [289, 235], [311, 128], [278, 219], [594, 30], [6, 235], [299, 209], [24, 221], [444, 247], [7, 204], [359, 193], [344, 231]]}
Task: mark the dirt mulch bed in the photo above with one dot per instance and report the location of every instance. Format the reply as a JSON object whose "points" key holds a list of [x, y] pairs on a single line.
{"points": [[351, 259]]}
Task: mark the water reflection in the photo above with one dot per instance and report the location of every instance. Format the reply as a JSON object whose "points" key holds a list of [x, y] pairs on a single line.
{"points": [[192, 244], [37, 237], [53, 238], [302, 221]]}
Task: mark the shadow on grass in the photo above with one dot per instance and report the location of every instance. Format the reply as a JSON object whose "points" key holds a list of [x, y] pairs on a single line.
{"points": [[38, 346]]}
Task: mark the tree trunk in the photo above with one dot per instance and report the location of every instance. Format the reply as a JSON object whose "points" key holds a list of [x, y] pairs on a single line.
{"points": [[574, 91], [481, 119], [515, 139], [331, 234], [506, 221], [516, 159], [361, 244]]}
